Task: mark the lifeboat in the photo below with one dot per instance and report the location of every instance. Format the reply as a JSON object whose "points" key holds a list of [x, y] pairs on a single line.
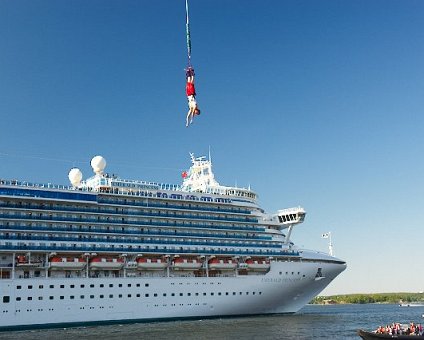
{"points": [[151, 263], [67, 263], [258, 264], [106, 263], [181, 263], [23, 261], [222, 264]]}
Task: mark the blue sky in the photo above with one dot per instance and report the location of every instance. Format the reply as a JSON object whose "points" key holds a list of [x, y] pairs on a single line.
{"points": [[312, 103]]}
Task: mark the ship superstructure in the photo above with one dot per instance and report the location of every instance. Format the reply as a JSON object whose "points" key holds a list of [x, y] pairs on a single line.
{"points": [[107, 249]]}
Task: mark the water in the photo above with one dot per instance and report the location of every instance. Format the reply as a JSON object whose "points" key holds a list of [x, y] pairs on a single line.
{"points": [[312, 322]]}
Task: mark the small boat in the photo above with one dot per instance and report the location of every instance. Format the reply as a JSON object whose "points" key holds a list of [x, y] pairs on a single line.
{"points": [[222, 264], [151, 263], [181, 263], [67, 263], [258, 264], [371, 335], [106, 263], [412, 304], [24, 262]]}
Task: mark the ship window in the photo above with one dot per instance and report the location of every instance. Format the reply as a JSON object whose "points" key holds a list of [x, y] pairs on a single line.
{"points": [[81, 296], [101, 296], [18, 298], [40, 287], [82, 286], [120, 285], [29, 287], [91, 286], [29, 298], [61, 297], [50, 297], [129, 284], [181, 294], [110, 296], [129, 295], [51, 286], [138, 295], [18, 287], [72, 297], [146, 285], [146, 295], [110, 285], [120, 295], [91, 296], [102, 285], [72, 286], [172, 294], [204, 294], [164, 294], [6, 299], [62, 286], [138, 285]]}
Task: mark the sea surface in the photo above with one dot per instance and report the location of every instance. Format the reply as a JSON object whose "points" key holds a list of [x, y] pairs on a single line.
{"points": [[312, 322]]}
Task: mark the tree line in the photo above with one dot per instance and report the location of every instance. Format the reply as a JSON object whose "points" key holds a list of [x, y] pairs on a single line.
{"points": [[395, 298]]}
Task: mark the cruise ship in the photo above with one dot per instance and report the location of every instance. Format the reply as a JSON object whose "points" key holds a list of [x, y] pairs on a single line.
{"points": [[107, 249]]}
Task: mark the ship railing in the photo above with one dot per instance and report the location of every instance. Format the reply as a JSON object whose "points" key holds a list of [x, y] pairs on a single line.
{"points": [[139, 193], [34, 185]]}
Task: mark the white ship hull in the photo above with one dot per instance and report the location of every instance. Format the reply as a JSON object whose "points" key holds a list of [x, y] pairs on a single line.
{"points": [[90, 253], [286, 288]]}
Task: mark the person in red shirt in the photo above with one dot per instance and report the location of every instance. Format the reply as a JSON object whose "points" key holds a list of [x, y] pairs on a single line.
{"points": [[193, 108]]}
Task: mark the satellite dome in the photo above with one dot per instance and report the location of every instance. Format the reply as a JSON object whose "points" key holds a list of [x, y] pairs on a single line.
{"points": [[98, 163], [75, 176]]}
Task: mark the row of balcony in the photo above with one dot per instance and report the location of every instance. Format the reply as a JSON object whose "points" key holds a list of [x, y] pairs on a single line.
{"points": [[111, 221], [148, 250], [113, 210], [182, 242], [159, 233]]}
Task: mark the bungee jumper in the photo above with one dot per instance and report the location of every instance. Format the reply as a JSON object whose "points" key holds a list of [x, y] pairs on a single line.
{"points": [[193, 108]]}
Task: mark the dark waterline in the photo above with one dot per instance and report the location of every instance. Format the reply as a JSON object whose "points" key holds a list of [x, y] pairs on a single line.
{"points": [[312, 322]]}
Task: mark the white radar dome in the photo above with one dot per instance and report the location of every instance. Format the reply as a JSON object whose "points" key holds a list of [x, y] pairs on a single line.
{"points": [[98, 163], [75, 176]]}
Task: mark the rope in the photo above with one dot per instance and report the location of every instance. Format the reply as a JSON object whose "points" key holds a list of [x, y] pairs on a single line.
{"points": [[188, 35]]}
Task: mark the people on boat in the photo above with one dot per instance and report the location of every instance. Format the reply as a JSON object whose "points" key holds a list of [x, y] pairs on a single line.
{"points": [[193, 108], [396, 329]]}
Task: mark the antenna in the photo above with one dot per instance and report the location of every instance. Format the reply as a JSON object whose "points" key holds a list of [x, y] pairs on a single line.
{"points": [[210, 157]]}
